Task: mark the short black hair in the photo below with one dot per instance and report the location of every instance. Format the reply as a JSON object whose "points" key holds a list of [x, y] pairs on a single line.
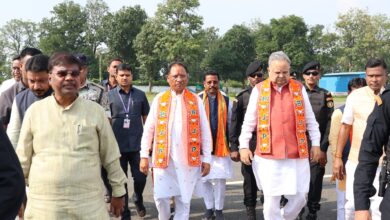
{"points": [[210, 73], [62, 58], [375, 62], [29, 51], [17, 57], [115, 59], [178, 63], [356, 83], [37, 63], [124, 66]]}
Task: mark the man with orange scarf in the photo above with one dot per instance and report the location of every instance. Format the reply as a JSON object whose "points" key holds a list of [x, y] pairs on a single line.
{"points": [[176, 131], [280, 109], [218, 110]]}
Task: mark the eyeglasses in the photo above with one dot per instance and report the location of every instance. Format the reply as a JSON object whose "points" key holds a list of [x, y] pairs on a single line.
{"points": [[314, 73], [64, 73], [259, 75]]}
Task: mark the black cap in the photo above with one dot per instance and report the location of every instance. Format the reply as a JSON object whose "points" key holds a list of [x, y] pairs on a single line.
{"points": [[313, 65], [82, 58], [254, 67]]}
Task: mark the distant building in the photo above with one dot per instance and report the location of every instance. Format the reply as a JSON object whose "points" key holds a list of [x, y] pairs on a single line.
{"points": [[337, 83]]}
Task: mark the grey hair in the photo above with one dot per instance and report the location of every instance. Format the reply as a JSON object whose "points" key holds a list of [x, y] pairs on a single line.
{"points": [[278, 55]]}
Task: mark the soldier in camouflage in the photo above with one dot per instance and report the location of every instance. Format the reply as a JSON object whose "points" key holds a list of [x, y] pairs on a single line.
{"points": [[89, 90]]}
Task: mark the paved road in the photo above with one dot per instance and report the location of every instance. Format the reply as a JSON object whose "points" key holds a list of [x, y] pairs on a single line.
{"points": [[234, 208]]}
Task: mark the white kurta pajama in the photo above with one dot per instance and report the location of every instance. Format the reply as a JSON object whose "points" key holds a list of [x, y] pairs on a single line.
{"points": [[213, 186], [288, 177], [178, 179]]}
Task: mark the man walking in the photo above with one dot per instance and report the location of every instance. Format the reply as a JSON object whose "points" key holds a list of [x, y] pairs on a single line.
{"points": [[129, 108], [322, 103], [38, 88], [218, 110], [176, 132], [280, 108], [63, 143], [358, 107]]}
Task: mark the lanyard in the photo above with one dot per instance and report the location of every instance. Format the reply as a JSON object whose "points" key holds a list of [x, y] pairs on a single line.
{"points": [[123, 104]]}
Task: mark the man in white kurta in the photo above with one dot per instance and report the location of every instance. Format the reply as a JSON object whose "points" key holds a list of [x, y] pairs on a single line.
{"points": [[218, 109], [178, 178], [63, 143], [285, 169]]}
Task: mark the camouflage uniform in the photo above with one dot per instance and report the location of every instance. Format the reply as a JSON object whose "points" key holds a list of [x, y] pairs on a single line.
{"points": [[95, 92]]}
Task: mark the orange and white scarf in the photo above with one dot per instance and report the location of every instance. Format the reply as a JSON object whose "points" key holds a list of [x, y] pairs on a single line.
{"points": [[191, 129], [263, 125], [221, 143]]}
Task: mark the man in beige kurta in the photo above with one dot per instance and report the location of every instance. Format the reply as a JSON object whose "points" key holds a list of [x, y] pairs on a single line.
{"points": [[64, 141]]}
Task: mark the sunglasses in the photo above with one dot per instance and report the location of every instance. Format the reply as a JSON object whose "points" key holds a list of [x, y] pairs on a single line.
{"points": [[314, 73], [259, 75], [64, 73]]}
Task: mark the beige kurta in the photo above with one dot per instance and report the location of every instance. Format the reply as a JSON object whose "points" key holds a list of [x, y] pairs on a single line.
{"points": [[61, 151]]}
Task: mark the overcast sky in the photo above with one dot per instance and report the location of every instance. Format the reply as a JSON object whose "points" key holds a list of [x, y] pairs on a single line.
{"points": [[222, 14]]}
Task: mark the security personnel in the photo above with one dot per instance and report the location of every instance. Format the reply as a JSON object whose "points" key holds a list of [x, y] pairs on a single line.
{"points": [[322, 103], [254, 75], [375, 137], [372, 147], [89, 90]]}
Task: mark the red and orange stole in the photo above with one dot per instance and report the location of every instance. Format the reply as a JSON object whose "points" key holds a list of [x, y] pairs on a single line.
{"points": [[221, 144], [264, 145], [191, 129]]}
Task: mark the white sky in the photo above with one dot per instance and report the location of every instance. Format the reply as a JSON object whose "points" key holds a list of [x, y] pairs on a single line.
{"points": [[222, 14]]}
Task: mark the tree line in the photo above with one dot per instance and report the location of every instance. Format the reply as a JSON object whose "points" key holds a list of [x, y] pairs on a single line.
{"points": [[176, 32]]}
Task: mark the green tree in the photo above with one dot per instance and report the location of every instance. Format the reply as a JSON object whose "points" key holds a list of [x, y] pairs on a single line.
{"points": [[121, 29], [324, 46], [183, 38], [65, 30], [148, 50], [289, 34], [18, 34], [232, 54], [362, 36], [95, 35]]}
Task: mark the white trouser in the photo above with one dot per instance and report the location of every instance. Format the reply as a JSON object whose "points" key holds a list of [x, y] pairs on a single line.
{"points": [[182, 210], [290, 211], [340, 202], [375, 201], [214, 193]]}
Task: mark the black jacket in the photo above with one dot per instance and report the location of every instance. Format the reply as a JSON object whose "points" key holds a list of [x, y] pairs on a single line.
{"points": [[12, 186]]}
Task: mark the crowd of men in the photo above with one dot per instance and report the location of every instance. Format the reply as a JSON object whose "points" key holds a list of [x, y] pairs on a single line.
{"points": [[75, 139]]}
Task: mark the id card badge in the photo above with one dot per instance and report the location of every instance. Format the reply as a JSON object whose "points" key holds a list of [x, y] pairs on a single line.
{"points": [[126, 123]]}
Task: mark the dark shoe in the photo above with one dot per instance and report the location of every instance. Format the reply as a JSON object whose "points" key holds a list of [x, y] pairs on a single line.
{"points": [[219, 215], [141, 211], [208, 215], [251, 212], [311, 216]]}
